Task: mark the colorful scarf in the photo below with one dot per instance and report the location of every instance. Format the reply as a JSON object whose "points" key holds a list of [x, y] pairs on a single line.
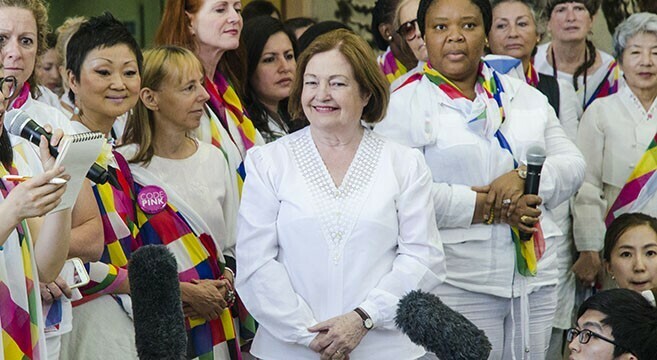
{"points": [[223, 100], [608, 86], [20, 299], [22, 97], [197, 258], [531, 76], [391, 67], [639, 187], [489, 87]]}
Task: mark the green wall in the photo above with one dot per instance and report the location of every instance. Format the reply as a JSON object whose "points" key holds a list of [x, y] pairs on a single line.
{"points": [[143, 14]]}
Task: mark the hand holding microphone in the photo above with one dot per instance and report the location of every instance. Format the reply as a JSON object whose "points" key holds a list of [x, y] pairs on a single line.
{"points": [[20, 124], [529, 215]]}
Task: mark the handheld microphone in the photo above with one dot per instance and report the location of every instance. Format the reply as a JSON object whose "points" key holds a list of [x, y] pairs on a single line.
{"points": [[155, 290], [535, 160], [20, 124], [439, 329]]}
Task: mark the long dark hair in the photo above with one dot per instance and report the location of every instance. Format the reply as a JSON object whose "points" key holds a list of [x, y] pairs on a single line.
{"points": [[255, 34], [6, 152]]}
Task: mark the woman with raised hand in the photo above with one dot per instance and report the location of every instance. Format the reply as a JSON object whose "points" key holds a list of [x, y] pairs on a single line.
{"points": [[336, 222], [103, 63], [33, 243], [199, 210], [616, 136], [571, 56], [23, 29], [271, 62], [476, 129]]}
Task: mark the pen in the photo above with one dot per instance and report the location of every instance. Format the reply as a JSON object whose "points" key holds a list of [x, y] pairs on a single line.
{"points": [[18, 178]]}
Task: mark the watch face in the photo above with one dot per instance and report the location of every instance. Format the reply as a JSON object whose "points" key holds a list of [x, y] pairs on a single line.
{"points": [[368, 323]]}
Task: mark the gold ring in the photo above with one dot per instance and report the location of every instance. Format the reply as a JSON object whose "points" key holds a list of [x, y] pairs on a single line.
{"points": [[524, 218]]}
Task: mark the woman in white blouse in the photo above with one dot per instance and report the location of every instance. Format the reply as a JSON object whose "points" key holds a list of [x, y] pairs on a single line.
{"points": [[336, 223], [475, 128], [614, 134]]}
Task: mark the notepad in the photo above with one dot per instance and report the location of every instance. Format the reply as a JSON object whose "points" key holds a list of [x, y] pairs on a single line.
{"points": [[76, 154]]}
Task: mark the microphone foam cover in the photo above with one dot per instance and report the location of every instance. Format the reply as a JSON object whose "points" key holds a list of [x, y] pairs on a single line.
{"points": [[430, 323], [159, 322]]}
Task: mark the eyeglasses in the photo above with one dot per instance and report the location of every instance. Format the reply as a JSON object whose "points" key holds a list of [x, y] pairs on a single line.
{"points": [[584, 336], [8, 86], [408, 30]]}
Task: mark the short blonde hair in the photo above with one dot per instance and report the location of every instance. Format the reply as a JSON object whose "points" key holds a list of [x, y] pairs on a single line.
{"points": [[366, 71], [162, 63]]}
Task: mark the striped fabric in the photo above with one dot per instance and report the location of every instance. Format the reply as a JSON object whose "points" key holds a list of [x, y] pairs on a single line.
{"points": [[608, 86], [640, 187], [391, 67], [488, 86], [224, 100], [20, 302], [119, 231], [197, 258]]}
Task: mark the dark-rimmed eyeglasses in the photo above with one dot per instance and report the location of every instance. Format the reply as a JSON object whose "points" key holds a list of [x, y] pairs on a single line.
{"points": [[408, 30], [8, 86], [584, 336]]}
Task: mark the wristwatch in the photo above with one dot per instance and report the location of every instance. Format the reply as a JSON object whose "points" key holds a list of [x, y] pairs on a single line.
{"points": [[522, 173], [367, 321]]}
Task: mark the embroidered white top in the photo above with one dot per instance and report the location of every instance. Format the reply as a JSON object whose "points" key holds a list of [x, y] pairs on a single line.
{"points": [[613, 135], [308, 251]]}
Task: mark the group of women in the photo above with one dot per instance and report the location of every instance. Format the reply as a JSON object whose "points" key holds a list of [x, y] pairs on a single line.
{"points": [[336, 222]]}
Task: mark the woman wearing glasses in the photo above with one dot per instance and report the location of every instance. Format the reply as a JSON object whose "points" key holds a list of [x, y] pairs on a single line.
{"points": [[33, 247], [406, 24], [614, 324]]}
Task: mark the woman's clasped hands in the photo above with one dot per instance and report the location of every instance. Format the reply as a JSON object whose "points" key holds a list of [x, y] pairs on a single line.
{"points": [[504, 201], [204, 299], [338, 336]]}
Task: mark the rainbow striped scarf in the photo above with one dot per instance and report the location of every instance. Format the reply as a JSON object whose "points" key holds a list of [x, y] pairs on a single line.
{"points": [[19, 297], [391, 67], [197, 258], [224, 100], [488, 86], [608, 86], [639, 187]]}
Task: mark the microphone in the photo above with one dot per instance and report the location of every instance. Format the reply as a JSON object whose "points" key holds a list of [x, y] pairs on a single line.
{"points": [[20, 124], [159, 321], [439, 329], [535, 160]]}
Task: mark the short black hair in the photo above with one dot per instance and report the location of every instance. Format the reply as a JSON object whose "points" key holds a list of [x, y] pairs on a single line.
{"points": [[317, 30], [258, 8], [620, 225], [299, 22], [633, 321], [483, 5], [98, 32], [383, 12]]}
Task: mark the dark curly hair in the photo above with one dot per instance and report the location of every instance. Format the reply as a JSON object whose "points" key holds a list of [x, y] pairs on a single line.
{"points": [[383, 12]]}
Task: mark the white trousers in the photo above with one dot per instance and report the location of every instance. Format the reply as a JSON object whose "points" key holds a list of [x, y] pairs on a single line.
{"points": [[500, 319]]}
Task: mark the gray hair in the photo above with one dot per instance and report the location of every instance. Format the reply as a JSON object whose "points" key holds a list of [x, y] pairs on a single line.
{"points": [[534, 9], [637, 23]]}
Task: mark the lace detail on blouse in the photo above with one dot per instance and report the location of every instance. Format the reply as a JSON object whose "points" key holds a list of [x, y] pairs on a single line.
{"points": [[338, 208]]}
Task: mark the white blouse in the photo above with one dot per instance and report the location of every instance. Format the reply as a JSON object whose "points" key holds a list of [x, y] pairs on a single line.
{"points": [[308, 251], [613, 135], [481, 258]]}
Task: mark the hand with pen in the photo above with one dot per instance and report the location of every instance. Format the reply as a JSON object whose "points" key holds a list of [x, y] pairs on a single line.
{"points": [[36, 196]]}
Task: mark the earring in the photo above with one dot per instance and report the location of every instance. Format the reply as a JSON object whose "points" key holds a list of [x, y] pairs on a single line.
{"points": [[76, 111], [613, 277], [132, 112], [389, 38]]}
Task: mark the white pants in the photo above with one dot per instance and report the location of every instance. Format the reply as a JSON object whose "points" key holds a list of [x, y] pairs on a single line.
{"points": [[500, 318]]}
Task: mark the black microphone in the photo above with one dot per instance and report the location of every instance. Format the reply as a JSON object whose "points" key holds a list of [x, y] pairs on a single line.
{"points": [[158, 316], [535, 160], [20, 124], [439, 329]]}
